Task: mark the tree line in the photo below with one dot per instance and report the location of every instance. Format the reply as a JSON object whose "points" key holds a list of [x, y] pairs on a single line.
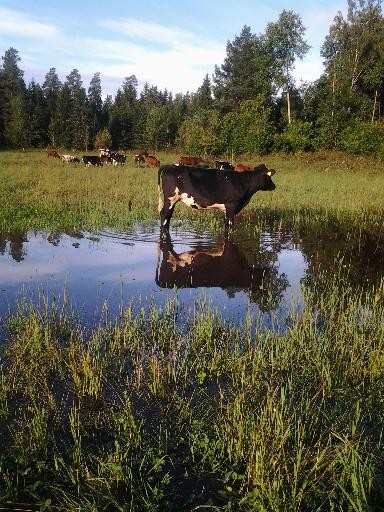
{"points": [[250, 104]]}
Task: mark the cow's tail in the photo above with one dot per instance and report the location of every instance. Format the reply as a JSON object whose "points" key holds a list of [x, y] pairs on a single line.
{"points": [[161, 201]]}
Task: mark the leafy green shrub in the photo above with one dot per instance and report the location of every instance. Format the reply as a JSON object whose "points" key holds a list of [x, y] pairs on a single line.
{"points": [[248, 129], [297, 136], [362, 138], [103, 139], [200, 134]]}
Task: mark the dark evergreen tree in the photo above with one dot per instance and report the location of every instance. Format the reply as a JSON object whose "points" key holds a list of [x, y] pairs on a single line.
{"points": [[51, 89], [124, 115], [59, 127], [177, 112], [106, 111], [203, 98], [95, 104], [38, 116], [12, 86], [78, 119], [234, 79]]}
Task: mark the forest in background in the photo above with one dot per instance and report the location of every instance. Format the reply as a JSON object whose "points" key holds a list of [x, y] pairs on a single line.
{"points": [[249, 105]]}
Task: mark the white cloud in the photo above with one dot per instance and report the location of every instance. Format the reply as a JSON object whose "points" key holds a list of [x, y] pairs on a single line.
{"points": [[153, 32], [179, 65], [19, 24], [309, 69], [318, 21], [168, 57]]}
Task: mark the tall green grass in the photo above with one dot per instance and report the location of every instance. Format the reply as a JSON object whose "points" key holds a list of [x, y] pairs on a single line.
{"points": [[142, 414]]}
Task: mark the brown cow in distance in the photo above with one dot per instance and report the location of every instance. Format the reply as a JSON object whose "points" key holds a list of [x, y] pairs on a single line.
{"points": [[139, 158], [152, 161], [52, 153], [190, 160], [243, 167]]}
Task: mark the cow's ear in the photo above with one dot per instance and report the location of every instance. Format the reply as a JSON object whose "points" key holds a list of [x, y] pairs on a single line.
{"points": [[271, 172]]}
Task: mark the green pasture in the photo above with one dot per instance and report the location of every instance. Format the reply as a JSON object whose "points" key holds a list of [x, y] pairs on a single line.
{"points": [[41, 192]]}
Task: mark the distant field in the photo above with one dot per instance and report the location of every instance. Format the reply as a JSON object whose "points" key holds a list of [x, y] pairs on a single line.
{"points": [[36, 191]]}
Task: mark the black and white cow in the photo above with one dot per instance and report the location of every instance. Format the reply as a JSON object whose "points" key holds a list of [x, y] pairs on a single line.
{"points": [[209, 188], [89, 160], [70, 159], [223, 166], [118, 159]]}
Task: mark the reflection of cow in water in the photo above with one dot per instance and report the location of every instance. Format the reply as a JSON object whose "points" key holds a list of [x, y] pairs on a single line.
{"points": [[222, 266]]}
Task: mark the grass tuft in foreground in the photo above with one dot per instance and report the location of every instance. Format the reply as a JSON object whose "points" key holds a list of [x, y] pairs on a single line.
{"points": [[141, 414]]}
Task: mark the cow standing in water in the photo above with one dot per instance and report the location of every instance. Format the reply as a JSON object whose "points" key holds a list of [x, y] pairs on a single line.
{"points": [[199, 188]]}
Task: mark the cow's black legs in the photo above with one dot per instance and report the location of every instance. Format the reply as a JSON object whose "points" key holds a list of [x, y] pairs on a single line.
{"points": [[166, 214], [228, 227], [229, 219]]}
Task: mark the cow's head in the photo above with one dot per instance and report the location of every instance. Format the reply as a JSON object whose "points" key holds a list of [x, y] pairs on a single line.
{"points": [[266, 174]]}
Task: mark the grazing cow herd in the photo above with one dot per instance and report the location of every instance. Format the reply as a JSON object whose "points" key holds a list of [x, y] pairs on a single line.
{"points": [[225, 187], [106, 156]]}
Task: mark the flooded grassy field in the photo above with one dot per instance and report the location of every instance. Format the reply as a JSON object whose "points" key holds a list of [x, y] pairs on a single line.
{"points": [[260, 273], [191, 371]]}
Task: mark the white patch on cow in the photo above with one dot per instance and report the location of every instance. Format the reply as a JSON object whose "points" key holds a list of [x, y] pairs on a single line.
{"points": [[181, 260], [218, 206], [187, 258], [160, 204], [173, 199], [190, 201]]}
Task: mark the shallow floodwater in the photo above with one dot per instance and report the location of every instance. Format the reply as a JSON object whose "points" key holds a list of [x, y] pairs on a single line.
{"points": [[101, 273]]}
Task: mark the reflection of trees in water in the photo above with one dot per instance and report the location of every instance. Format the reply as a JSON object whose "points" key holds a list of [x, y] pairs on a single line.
{"points": [[55, 237], [223, 265], [16, 240], [359, 252]]}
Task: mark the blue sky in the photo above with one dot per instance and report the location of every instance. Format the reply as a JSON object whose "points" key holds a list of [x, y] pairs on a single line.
{"points": [[171, 44]]}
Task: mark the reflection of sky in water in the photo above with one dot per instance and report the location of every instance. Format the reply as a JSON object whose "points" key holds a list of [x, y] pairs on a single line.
{"points": [[120, 269]]}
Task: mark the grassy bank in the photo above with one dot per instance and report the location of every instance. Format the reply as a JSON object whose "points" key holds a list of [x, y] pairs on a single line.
{"points": [[140, 414], [37, 192]]}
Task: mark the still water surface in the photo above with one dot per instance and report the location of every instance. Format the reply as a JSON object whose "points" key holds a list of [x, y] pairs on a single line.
{"points": [[257, 272]]}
